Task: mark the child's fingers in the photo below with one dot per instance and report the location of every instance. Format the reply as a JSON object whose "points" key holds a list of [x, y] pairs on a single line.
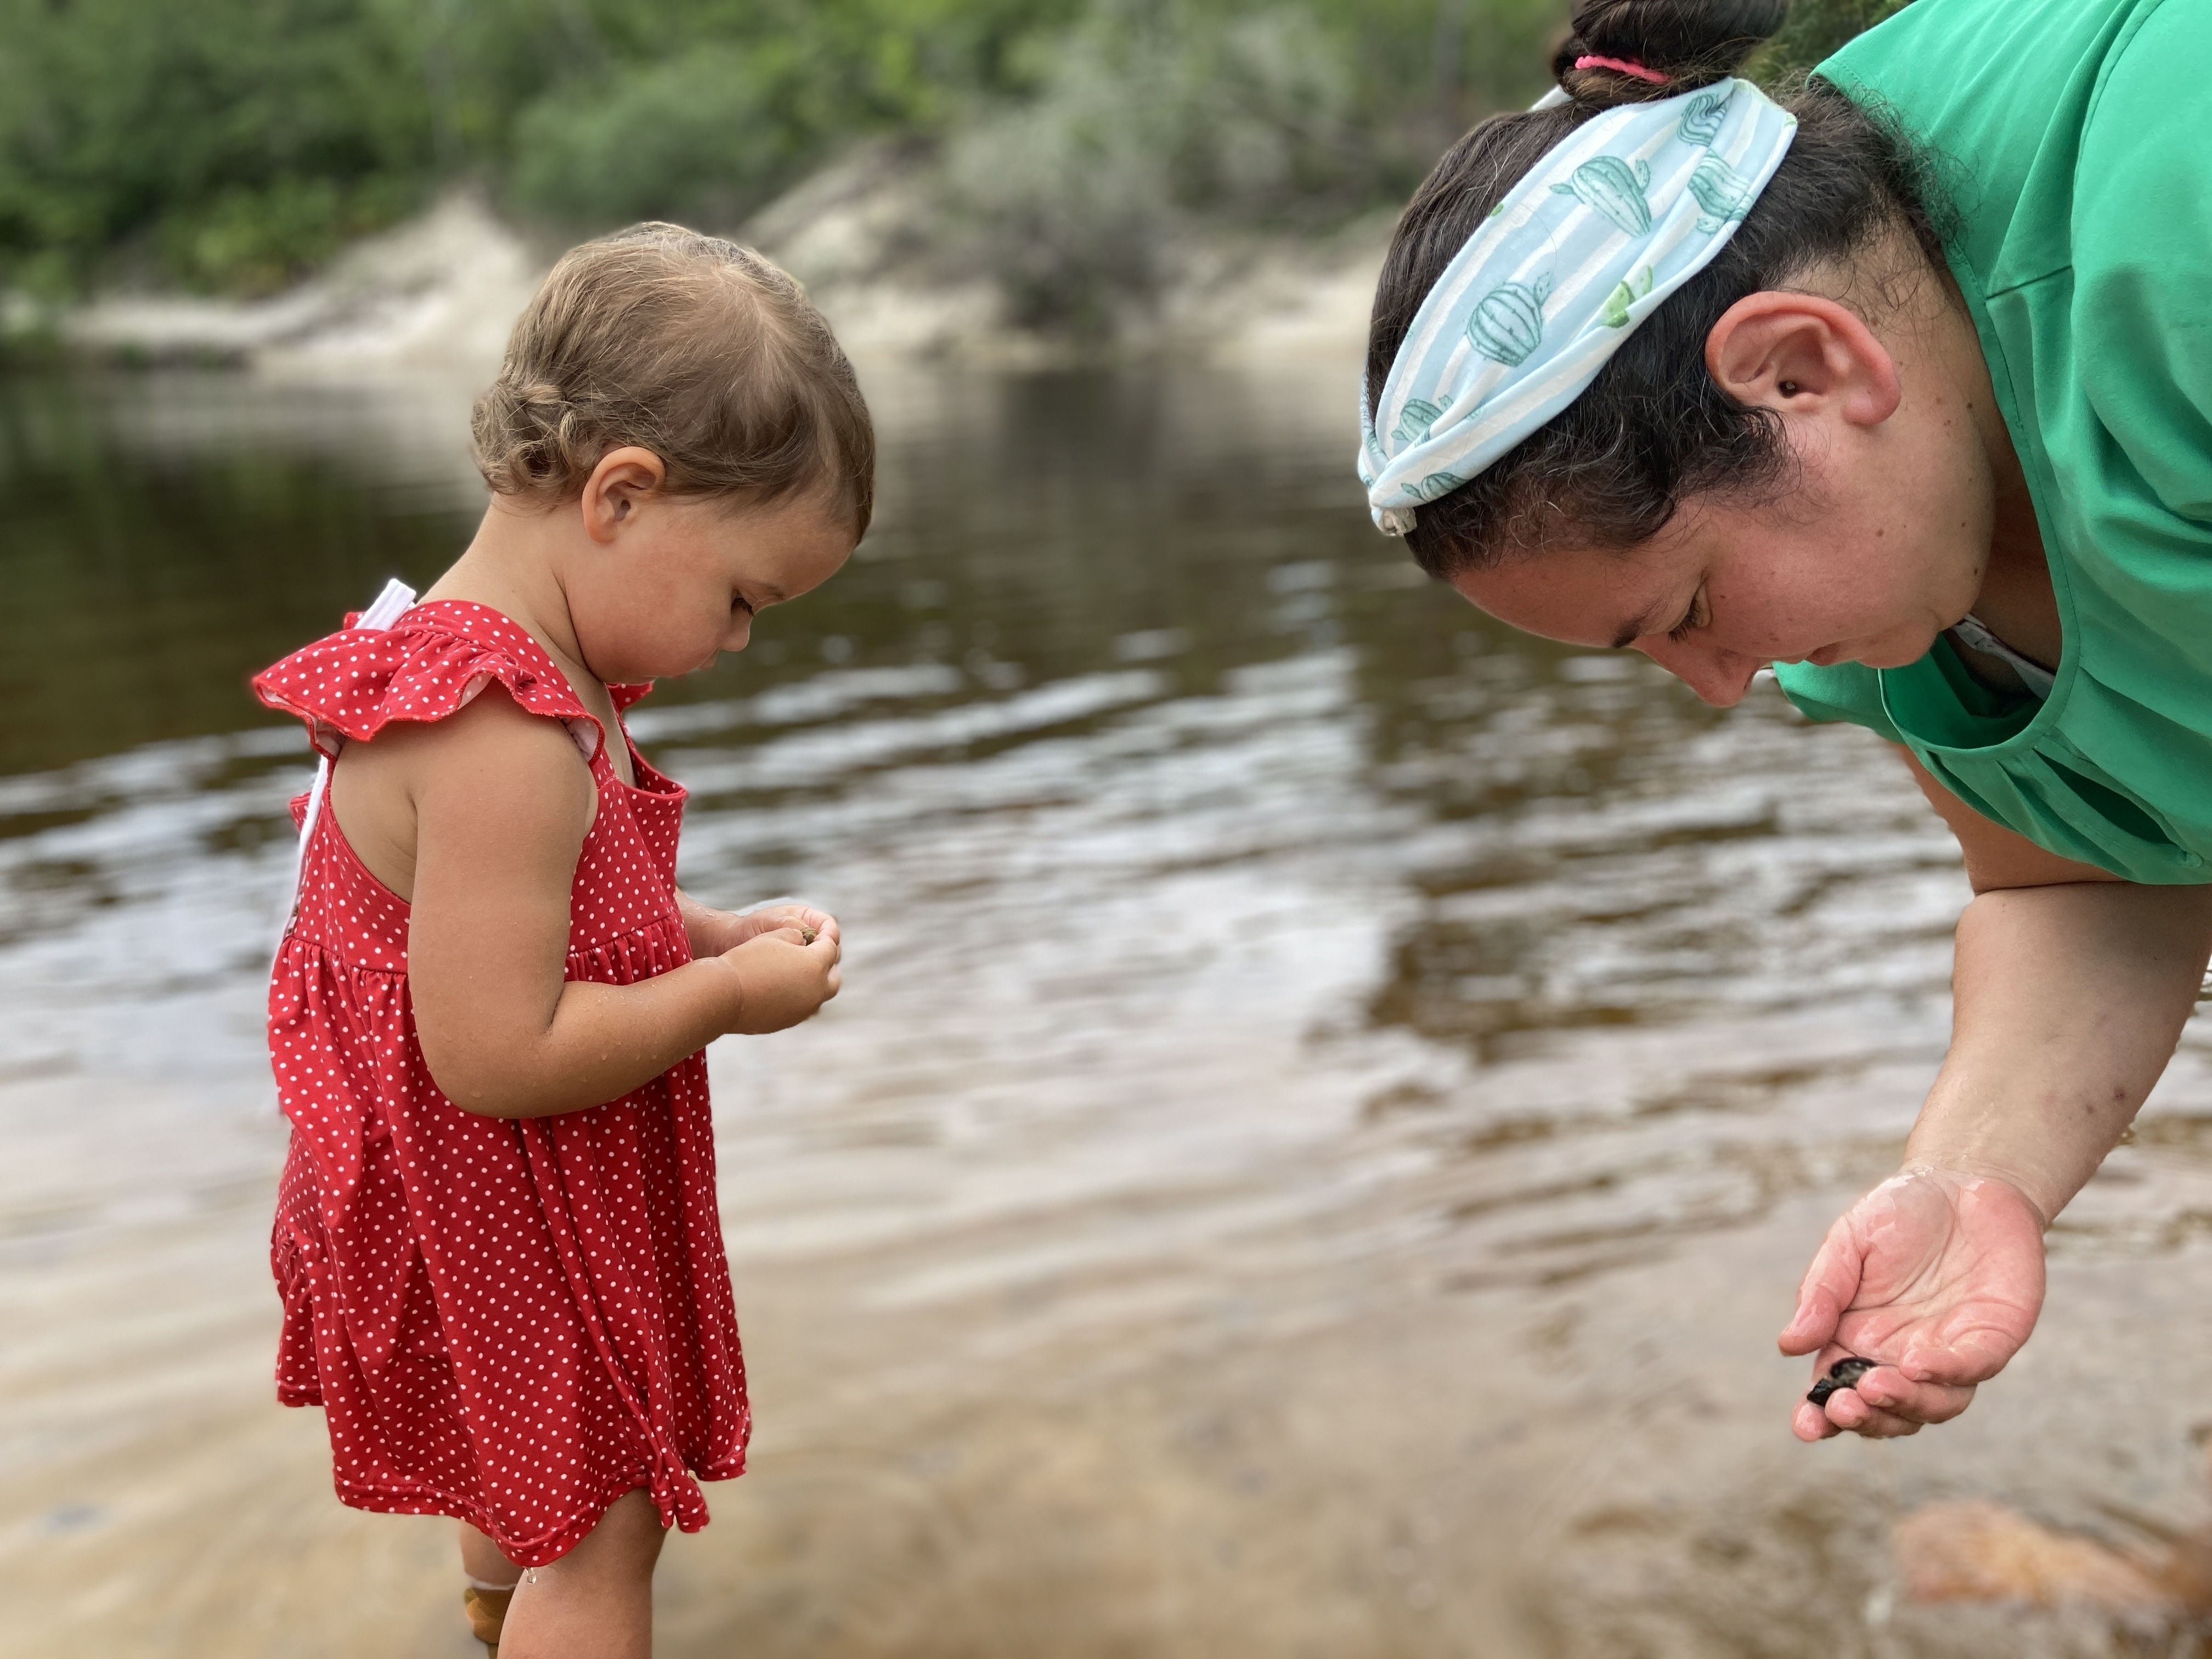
{"points": [[774, 917], [783, 935]]}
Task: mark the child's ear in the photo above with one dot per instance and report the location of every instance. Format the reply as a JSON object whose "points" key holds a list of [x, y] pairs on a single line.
{"points": [[1802, 354], [622, 478]]}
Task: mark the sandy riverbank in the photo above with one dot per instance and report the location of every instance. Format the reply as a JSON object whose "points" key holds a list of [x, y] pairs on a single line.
{"points": [[438, 294]]}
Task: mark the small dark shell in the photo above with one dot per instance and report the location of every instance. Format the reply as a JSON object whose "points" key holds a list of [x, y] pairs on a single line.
{"points": [[1841, 1375]]}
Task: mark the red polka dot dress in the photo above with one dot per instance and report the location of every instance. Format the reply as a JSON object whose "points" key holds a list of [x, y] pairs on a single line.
{"points": [[513, 1322]]}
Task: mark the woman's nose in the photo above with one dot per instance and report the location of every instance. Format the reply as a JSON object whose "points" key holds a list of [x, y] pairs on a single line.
{"points": [[1719, 678]]}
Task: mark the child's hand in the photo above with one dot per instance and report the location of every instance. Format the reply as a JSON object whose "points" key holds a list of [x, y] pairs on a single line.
{"points": [[715, 932], [787, 971], [775, 918], [1935, 1275]]}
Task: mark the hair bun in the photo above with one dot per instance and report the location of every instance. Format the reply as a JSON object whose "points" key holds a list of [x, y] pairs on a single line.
{"points": [[1692, 43]]}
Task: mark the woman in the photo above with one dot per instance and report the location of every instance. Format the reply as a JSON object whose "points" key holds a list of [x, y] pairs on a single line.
{"points": [[1903, 386]]}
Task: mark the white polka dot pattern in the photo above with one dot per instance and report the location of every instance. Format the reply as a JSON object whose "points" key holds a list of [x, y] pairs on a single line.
{"points": [[513, 1322]]}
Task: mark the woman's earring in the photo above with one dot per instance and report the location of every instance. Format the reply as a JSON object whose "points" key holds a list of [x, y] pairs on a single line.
{"points": [[1787, 388]]}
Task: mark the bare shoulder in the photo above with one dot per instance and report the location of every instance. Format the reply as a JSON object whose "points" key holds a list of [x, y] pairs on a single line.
{"points": [[491, 775]]}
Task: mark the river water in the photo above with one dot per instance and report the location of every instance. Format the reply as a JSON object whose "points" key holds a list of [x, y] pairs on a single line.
{"points": [[1330, 1104]]}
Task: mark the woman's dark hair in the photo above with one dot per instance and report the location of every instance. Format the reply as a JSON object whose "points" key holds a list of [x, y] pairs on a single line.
{"points": [[1653, 429]]}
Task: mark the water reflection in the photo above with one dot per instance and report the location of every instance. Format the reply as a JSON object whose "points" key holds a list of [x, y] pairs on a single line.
{"points": [[1330, 1102]]}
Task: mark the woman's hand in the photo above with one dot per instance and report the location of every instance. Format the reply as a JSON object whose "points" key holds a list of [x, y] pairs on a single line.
{"points": [[1935, 1275], [2070, 988]]}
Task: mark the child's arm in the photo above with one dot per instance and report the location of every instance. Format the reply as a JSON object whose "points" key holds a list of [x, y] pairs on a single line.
{"points": [[2070, 991], [502, 805]]}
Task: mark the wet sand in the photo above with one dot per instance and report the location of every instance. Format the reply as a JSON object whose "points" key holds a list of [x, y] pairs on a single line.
{"points": [[1330, 1108]]}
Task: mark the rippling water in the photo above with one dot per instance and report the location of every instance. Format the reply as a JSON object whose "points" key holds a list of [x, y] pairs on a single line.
{"points": [[1330, 1103]]}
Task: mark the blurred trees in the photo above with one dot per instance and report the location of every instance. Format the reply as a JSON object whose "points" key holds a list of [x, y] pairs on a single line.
{"points": [[1148, 119], [231, 139], [232, 144]]}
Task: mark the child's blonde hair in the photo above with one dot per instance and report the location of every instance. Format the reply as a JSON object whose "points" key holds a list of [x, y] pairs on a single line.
{"points": [[690, 346]]}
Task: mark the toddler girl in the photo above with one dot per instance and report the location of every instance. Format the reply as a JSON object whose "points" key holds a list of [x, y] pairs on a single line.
{"points": [[496, 1238]]}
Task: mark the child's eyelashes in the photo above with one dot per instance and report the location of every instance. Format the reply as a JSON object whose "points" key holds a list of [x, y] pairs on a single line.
{"points": [[1693, 618]]}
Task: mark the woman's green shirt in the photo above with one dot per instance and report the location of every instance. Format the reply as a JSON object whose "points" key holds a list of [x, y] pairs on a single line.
{"points": [[2075, 140]]}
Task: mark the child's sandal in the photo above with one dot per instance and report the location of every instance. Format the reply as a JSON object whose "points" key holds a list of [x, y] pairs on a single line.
{"points": [[487, 1611]]}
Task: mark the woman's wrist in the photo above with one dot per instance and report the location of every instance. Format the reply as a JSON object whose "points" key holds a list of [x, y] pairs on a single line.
{"points": [[2043, 1193]]}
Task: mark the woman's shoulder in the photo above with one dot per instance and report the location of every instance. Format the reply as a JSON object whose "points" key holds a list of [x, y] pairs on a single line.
{"points": [[433, 660], [1997, 67], [2142, 262], [2000, 97]]}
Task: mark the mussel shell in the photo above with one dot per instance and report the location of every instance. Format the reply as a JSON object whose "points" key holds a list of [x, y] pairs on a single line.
{"points": [[1841, 1375]]}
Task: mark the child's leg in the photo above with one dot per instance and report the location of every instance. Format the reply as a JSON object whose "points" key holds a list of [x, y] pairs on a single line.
{"points": [[482, 1560], [596, 1601], [492, 1577]]}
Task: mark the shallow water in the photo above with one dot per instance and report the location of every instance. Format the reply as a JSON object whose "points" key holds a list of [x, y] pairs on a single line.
{"points": [[1331, 1101]]}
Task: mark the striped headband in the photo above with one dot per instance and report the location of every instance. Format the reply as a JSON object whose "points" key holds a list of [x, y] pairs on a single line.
{"points": [[1623, 212]]}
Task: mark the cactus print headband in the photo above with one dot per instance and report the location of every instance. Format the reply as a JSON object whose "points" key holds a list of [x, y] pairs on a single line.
{"points": [[1632, 204]]}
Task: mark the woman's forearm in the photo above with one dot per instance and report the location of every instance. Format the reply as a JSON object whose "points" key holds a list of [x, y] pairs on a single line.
{"points": [[2069, 1001]]}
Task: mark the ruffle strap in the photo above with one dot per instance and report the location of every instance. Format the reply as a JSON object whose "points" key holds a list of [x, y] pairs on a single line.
{"points": [[425, 667]]}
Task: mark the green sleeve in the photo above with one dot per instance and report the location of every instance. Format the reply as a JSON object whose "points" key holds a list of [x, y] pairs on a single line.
{"points": [[1848, 691], [2142, 257]]}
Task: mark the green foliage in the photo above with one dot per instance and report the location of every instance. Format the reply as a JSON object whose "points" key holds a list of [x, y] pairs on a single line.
{"points": [[1153, 116], [697, 137], [235, 140], [1145, 115], [703, 110], [233, 144]]}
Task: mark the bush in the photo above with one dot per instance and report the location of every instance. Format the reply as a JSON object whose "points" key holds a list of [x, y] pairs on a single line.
{"points": [[696, 138], [1152, 119], [233, 144], [235, 141]]}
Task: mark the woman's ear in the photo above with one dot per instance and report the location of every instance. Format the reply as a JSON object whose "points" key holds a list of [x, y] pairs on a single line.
{"points": [[1799, 354], [623, 478]]}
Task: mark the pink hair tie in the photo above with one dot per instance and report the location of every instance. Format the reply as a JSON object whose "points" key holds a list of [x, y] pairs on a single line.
{"points": [[1624, 66]]}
